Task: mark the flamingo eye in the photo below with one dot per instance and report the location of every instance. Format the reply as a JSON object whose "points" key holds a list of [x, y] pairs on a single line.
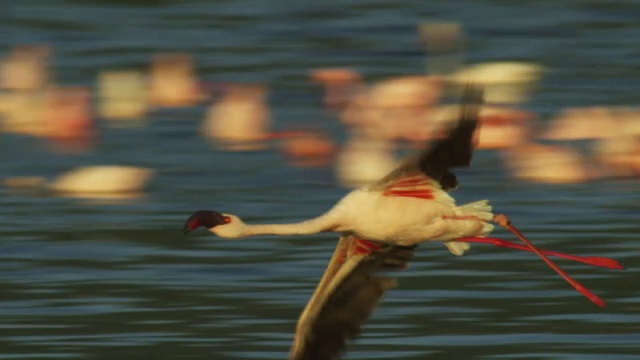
{"points": [[227, 219]]}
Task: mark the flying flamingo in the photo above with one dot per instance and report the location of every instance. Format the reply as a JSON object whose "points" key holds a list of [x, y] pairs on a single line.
{"points": [[380, 227]]}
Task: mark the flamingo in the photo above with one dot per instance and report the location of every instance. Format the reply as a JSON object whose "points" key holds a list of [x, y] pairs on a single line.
{"points": [[380, 226], [89, 181]]}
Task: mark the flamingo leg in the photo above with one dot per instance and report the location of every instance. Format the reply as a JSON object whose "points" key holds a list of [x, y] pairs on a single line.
{"points": [[589, 260], [503, 221]]}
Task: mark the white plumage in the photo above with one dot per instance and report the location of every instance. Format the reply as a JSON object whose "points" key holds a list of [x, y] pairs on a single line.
{"points": [[388, 217]]}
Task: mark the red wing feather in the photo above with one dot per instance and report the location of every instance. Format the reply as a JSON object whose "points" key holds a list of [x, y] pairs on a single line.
{"points": [[365, 247], [357, 246], [417, 186]]}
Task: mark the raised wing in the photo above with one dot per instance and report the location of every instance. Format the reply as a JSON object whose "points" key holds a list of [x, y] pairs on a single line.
{"points": [[454, 151], [346, 296]]}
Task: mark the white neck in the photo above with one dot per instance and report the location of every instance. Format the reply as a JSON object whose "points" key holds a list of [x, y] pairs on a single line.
{"points": [[323, 223]]}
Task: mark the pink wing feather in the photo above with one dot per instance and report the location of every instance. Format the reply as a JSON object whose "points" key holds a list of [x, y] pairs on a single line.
{"points": [[415, 186]]}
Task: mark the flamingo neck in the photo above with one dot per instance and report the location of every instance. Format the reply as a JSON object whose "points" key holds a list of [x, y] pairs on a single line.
{"points": [[323, 223]]}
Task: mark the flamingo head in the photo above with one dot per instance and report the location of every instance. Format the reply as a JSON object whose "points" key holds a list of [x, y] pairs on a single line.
{"points": [[224, 225]]}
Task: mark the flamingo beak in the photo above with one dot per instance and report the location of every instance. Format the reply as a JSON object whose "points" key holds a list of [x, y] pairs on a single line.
{"points": [[192, 223], [206, 218]]}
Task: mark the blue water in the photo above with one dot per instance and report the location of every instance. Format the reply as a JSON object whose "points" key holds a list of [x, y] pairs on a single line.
{"points": [[93, 280]]}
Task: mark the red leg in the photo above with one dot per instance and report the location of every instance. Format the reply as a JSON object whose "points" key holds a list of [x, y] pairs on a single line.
{"points": [[589, 260], [503, 221]]}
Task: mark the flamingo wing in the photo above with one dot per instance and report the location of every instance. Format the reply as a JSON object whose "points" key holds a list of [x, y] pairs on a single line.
{"points": [[347, 294], [454, 151]]}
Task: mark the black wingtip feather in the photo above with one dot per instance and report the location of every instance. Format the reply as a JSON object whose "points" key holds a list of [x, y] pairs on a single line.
{"points": [[353, 301], [457, 149]]}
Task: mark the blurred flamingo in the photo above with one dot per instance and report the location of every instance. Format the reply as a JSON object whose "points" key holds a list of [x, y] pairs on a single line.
{"points": [[26, 68], [68, 119], [100, 181], [548, 164], [173, 81], [306, 147], [340, 85], [122, 95]]}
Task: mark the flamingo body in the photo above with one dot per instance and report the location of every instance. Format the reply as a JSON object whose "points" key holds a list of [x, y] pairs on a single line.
{"points": [[409, 217]]}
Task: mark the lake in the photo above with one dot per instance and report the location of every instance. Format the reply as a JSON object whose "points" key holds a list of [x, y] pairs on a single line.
{"points": [[86, 279]]}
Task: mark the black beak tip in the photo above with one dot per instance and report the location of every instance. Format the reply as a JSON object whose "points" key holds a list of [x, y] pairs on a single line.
{"points": [[186, 229]]}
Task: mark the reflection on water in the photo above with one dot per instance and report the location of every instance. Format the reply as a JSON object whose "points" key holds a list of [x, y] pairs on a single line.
{"points": [[94, 279]]}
